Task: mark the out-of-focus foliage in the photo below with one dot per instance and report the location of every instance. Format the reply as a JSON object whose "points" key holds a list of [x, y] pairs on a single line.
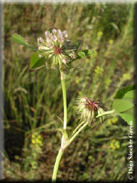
{"points": [[33, 99]]}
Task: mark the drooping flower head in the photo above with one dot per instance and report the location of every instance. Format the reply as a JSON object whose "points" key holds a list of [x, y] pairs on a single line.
{"points": [[89, 109], [56, 48]]}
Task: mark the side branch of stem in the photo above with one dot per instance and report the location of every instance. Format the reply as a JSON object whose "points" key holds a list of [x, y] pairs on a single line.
{"points": [[80, 129], [106, 113]]}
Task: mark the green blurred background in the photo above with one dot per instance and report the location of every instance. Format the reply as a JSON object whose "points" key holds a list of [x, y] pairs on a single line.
{"points": [[33, 99]]}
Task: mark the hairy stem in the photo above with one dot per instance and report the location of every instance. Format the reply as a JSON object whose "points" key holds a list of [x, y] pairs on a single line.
{"points": [[56, 166]]}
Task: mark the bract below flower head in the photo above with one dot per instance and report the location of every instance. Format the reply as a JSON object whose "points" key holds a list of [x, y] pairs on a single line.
{"points": [[88, 109], [56, 48]]}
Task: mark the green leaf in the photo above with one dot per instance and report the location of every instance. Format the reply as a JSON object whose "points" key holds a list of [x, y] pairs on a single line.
{"points": [[85, 53], [130, 95], [81, 54], [130, 111], [121, 92], [88, 52], [20, 40], [121, 105], [36, 61], [127, 117], [124, 103]]}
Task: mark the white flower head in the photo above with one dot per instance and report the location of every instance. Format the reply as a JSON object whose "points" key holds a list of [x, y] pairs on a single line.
{"points": [[56, 48]]}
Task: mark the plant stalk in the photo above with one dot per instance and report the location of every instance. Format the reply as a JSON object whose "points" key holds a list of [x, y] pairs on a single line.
{"points": [[56, 166], [61, 151], [64, 102], [105, 113], [80, 129]]}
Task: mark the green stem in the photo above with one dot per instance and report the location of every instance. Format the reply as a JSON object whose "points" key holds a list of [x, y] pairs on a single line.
{"points": [[64, 102], [56, 166], [80, 129], [60, 153], [105, 113]]}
